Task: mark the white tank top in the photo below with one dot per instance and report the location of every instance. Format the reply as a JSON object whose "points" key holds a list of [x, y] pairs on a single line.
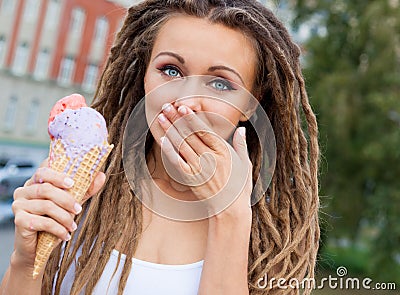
{"points": [[145, 278]]}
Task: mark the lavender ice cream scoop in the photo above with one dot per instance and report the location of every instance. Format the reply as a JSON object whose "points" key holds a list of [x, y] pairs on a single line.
{"points": [[79, 131]]}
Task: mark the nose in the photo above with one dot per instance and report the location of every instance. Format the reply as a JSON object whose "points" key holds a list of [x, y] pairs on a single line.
{"points": [[193, 102]]}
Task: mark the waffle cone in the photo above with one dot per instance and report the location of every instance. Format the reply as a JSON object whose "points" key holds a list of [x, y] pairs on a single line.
{"points": [[82, 176]]}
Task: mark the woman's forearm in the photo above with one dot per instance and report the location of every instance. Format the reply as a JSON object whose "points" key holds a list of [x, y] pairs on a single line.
{"points": [[226, 259], [18, 280]]}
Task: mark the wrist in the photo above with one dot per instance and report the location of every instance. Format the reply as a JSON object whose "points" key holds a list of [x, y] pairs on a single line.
{"points": [[20, 265], [233, 217], [18, 278]]}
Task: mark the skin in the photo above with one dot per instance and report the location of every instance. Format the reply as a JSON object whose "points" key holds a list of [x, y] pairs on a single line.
{"points": [[221, 240]]}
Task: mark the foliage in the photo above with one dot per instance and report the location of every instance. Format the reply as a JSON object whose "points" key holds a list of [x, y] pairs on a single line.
{"points": [[352, 68]]}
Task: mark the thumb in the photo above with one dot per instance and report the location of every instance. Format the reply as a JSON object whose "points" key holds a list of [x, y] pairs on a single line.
{"points": [[239, 143], [96, 185]]}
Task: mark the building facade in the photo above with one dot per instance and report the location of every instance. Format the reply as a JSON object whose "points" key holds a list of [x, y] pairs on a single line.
{"points": [[49, 49]]}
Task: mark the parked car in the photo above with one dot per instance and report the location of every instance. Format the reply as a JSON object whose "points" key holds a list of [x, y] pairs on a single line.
{"points": [[6, 213], [13, 173]]}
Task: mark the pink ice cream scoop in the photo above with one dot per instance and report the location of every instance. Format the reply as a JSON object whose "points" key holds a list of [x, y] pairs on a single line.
{"points": [[73, 102]]}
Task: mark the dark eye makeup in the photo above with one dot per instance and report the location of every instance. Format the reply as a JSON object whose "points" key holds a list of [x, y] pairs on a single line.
{"points": [[219, 84], [170, 71]]}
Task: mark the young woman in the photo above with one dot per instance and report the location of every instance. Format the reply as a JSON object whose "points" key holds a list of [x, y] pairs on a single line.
{"points": [[122, 246]]}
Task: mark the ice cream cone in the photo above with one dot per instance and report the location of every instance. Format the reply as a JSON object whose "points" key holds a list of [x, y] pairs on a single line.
{"points": [[82, 170]]}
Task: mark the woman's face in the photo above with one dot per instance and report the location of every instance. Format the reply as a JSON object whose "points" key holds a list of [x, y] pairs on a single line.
{"points": [[187, 46]]}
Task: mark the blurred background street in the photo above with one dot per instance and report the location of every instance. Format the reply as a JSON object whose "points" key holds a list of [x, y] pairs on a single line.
{"points": [[351, 64], [6, 245]]}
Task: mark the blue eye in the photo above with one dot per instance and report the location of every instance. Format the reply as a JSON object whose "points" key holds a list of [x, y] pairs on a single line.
{"points": [[171, 71], [221, 85]]}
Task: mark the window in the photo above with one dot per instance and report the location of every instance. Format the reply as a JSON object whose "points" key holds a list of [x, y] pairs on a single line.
{"points": [[2, 49], [77, 20], [52, 14], [89, 82], [11, 113], [101, 30], [7, 6], [31, 10], [20, 59], [33, 115], [42, 64], [66, 70]]}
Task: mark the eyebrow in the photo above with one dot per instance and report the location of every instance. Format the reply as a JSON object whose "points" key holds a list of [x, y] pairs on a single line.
{"points": [[210, 69], [177, 56], [215, 68]]}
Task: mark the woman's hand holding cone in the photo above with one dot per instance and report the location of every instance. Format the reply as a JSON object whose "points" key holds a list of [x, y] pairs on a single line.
{"points": [[43, 204]]}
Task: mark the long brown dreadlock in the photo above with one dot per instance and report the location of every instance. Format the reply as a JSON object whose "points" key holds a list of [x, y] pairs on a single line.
{"points": [[285, 230]]}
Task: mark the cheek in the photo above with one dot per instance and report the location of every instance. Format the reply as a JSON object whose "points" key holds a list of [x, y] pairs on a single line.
{"points": [[154, 100], [157, 96], [224, 119], [156, 132], [150, 81], [152, 106], [225, 114]]}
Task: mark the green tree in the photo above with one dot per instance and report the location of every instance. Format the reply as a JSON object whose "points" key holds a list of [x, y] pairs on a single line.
{"points": [[352, 68]]}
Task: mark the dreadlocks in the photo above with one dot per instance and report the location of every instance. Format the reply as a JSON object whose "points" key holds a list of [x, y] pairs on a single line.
{"points": [[285, 230]]}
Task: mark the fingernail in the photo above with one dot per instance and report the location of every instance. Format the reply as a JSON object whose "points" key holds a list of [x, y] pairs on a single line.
{"points": [[162, 139], [242, 131], [74, 226], [68, 182], [162, 118], [77, 208], [183, 110], [67, 237], [167, 107]]}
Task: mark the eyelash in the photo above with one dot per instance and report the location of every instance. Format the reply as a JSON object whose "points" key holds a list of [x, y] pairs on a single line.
{"points": [[227, 85], [163, 70]]}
